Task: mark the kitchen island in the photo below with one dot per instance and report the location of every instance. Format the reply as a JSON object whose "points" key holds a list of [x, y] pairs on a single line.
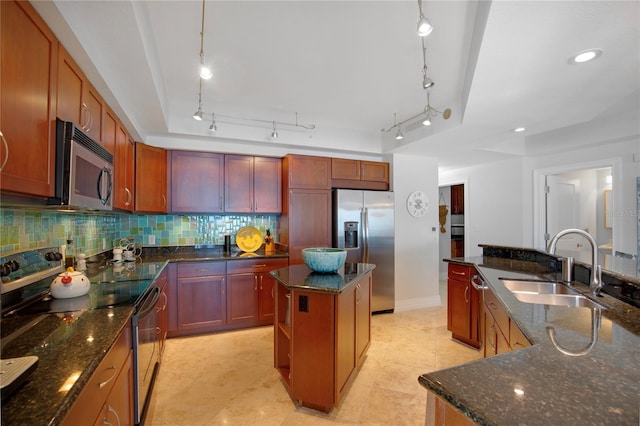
{"points": [[587, 373], [322, 331]]}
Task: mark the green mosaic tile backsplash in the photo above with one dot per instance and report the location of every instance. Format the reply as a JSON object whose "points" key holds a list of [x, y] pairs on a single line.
{"points": [[94, 233]]}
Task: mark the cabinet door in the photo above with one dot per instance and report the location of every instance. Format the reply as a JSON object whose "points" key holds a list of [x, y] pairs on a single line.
{"points": [[457, 199], [266, 297], [201, 302], [303, 171], [28, 58], [309, 221], [109, 130], [197, 182], [151, 179], [71, 82], [93, 113], [341, 168], [345, 337], [238, 184], [118, 410], [374, 171], [162, 311], [267, 191], [458, 308], [123, 165], [490, 335], [242, 298]]}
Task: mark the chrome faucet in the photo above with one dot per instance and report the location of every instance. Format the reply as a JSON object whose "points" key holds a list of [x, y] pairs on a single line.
{"points": [[596, 270]]}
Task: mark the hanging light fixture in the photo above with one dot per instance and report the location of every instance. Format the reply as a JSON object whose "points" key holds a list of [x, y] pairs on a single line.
{"points": [[274, 132], [198, 114], [205, 71], [424, 26], [427, 83], [399, 135], [213, 128]]}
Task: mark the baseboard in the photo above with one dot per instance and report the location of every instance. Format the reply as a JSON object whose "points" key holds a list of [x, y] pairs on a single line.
{"points": [[421, 303]]}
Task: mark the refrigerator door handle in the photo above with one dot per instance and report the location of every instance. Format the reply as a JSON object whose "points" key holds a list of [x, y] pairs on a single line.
{"points": [[365, 235]]}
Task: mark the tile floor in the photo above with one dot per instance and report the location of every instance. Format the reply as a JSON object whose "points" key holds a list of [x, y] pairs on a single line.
{"points": [[229, 379]]}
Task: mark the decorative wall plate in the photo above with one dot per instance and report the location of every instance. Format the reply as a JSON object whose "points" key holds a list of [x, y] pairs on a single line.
{"points": [[417, 204]]}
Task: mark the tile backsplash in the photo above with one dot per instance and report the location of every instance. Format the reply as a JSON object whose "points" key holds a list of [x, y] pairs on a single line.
{"points": [[94, 233]]}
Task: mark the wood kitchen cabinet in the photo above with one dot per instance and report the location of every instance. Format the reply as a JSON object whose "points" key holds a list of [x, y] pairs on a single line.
{"points": [[108, 395], [197, 182], [319, 351], [201, 297], [306, 204], [457, 199], [124, 170], [501, 334], [78, 101], [250, 291], [442, 413], [463, 305], [151, 179], [28, 61], [252, 184], [162, 309], [358, 174]]}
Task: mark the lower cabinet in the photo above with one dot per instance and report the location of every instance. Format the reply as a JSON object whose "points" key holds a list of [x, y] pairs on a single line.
{"points": [[320, 341], [501, 334], [441, 413], [463, 305], [108, 395], [221, 295]]}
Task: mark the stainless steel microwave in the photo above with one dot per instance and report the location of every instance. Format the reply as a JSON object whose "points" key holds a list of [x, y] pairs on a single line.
{"points": [[84, 171]]}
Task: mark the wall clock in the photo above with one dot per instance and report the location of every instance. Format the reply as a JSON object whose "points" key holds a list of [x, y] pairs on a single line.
{"points": [[417, 204]]}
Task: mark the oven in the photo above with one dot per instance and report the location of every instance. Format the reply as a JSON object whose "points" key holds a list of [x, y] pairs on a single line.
{"points": [[146, 350]]}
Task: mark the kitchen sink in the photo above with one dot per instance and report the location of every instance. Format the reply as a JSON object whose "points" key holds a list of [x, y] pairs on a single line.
{"points": [[547, 293]]}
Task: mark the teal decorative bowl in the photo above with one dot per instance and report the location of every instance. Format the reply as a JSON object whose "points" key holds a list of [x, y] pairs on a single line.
{"points": [[324, 259]]}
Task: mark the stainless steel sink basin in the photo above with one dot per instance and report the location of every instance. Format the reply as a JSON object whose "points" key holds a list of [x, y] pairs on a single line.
{"points": [[547, 293]]}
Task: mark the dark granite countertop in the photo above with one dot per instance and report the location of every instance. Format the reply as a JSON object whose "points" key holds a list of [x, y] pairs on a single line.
{"points": [[602, 386], [300, 277], [74, 341]]}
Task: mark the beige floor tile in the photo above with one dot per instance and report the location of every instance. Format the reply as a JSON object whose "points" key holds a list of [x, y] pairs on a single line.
{"points": [[229, 379]]}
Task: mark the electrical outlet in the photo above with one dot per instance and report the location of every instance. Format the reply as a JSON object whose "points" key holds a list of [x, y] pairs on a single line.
{"points": [[152, 240]]}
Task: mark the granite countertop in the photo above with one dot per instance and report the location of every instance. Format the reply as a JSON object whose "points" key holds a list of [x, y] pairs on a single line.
{"points": [[75, 338], [601, 386], [300, 277]]}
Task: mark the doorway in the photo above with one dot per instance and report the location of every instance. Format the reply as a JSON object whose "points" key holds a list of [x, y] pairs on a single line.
{"points": [[579, 199], [452, 223]]}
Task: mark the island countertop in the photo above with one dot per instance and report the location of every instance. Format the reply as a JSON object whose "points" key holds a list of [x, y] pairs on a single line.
{"points": [[540, 384], [302, 278]]}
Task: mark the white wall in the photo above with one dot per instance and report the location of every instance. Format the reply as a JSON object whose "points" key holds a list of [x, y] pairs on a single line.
{"points": [[417, 241], [495, 211]]}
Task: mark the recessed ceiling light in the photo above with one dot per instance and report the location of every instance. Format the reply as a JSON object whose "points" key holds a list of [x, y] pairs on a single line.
{"points": [[585, 56], [519, 129]]}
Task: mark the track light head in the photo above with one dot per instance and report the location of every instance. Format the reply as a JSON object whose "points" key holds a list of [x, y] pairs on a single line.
{"points": [[205, 72], [427, 83], [399, 135], [426, 121], [198, 114], [424, 26], [274, 132]]}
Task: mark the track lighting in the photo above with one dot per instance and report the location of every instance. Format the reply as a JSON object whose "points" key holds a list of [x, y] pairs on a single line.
{"points": [[274, 133], [213, 128], [424, 26], [427, 120], [427, 83], [205, 72], [399, 135]]}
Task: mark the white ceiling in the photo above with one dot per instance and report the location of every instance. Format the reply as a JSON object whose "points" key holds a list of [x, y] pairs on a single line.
{"points": [[348, 66]]}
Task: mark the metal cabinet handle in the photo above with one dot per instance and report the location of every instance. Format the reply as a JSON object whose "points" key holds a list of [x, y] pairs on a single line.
{"points": [[255, 287], [111, 367], [129, 197], [458, 273], [6, 147], [84, 126], [358, 294], [482, 286], [164, 201], [466, 294], [492, 344], [106, 421]]}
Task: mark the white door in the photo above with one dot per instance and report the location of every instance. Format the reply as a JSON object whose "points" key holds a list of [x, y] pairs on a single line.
{"points": [[562, 201]]}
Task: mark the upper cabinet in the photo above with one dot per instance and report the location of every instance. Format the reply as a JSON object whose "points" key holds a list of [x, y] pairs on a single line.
{"points": [[307, 172], [357, 174], [124, 166], [457, 199], [252, 184], [78, 101], [28, 60], [197, 182], [151, 179]]}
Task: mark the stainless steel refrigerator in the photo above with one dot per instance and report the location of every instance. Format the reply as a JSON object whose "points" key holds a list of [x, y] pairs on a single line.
{"points": [[363, 223]]}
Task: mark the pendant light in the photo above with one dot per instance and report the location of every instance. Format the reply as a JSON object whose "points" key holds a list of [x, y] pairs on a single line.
{"points": [[424, 26], [399, 135], [198, 114], [213, 128], [205, 71], [274, 132], [427, 83]]}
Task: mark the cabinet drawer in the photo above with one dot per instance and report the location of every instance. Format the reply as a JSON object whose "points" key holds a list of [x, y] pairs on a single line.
{"points": [[101, 382], [460, 272], [201, 269], [497, 311], [257, 265]]}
